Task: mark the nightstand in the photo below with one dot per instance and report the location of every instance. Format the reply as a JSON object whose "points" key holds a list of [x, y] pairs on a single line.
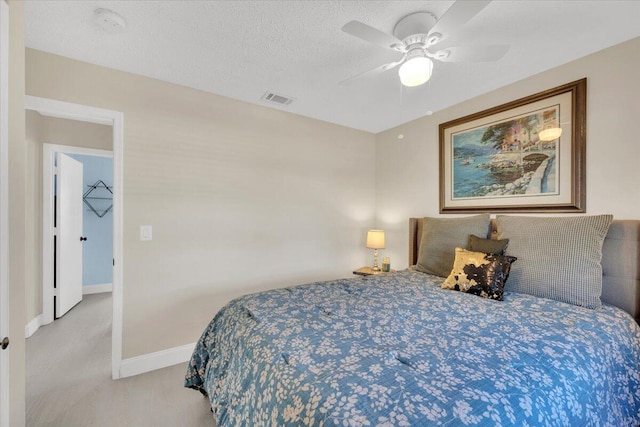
{"points": [[367, 271]]}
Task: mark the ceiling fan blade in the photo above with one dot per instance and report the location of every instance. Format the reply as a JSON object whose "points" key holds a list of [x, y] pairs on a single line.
{"points": [[370, 73], [373, 35], [458, 14], [487, 53]]}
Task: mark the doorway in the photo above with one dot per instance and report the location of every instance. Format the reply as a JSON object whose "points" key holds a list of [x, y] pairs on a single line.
{"points": [[74, 267], [115, 119]]}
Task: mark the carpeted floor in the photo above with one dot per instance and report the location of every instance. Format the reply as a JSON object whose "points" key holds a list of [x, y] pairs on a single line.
{"points": [[69, 379]]}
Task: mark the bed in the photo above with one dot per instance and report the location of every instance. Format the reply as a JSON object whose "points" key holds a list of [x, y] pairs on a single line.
{"points": [[397, 349]]}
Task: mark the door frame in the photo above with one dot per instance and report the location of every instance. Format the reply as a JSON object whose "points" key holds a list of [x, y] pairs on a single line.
{"points": [[84, 113], [4, 210], [48, 171]]}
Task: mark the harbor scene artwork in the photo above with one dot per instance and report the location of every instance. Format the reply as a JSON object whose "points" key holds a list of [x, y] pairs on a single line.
{"points": [[506, 158], [496, 161]]}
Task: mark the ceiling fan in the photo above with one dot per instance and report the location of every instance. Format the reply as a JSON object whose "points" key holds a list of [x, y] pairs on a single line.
{"points": [[417, 36]]}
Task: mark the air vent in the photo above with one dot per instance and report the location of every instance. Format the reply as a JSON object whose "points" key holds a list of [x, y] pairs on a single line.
{"points": [[277, 99]]}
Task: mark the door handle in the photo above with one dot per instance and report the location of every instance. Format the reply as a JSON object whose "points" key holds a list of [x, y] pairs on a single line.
{"points": [[5, 342], [83, 239]]}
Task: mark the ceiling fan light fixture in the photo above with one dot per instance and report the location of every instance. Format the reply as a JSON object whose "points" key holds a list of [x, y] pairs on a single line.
{"points": [[416, 71], [550, 134]]}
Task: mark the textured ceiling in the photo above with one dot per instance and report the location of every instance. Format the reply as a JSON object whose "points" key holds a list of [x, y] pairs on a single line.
{"points": [[242, 49]]}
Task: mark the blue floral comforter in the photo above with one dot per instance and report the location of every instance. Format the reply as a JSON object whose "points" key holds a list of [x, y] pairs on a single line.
{"points": [[396, 350]]}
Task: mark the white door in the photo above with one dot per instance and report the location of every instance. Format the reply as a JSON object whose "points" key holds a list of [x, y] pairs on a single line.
{"points": [[4, 215], [69, 236]]}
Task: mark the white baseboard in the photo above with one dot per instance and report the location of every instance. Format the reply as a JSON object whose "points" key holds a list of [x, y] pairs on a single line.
{"points": [[158, 360], [33, 326], [96, 289]]}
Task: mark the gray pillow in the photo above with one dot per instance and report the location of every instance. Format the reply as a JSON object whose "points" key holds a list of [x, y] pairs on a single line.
{"points": [[441, 237], [488, 246], [558, 258]]}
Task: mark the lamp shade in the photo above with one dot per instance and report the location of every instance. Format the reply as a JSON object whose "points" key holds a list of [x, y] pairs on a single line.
{"points": [[415, 71], [375, 239], [550, 134]]}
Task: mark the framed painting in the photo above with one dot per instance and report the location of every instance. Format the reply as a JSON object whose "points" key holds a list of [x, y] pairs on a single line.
{"points": [[524, 156]]}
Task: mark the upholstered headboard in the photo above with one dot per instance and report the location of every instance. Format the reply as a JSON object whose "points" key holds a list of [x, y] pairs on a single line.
{"points": [[620, 262]]}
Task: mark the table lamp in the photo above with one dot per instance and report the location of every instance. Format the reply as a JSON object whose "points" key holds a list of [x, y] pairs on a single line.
{"points": [[375, 241]]}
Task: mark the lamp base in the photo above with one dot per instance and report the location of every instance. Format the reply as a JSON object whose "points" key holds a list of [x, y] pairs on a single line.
{"points": [[375, 261]]}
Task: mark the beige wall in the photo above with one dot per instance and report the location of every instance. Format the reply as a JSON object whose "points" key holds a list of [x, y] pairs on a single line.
{"points": [[33, 280], [17, 205], [52, 130], [407, 169], [74, 132], [241, 197]]}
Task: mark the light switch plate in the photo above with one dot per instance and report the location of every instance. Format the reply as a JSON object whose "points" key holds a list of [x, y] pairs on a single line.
{"points": [[146, 233]]}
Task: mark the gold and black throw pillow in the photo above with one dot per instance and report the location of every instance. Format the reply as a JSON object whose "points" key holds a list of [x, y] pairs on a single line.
{"points": [[479, 273]]}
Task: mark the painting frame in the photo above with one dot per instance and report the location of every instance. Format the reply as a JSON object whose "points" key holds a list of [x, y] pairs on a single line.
{"points": [[569, 175]]}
